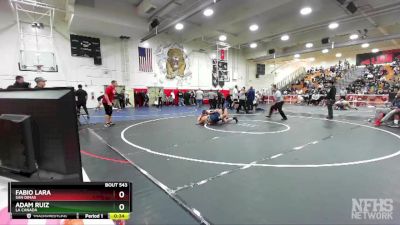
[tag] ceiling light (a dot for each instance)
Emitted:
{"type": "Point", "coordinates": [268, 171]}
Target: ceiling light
{"type": "Point", "coordinates": [338, 55]}
{"type": "Point", "coordinates": [353, 36]}
{"type": "Point", "coordinates": [253, 45]}
{"type": "Point", "coordinates": [309, 45]}
{"type": "Point", "coordinates": [333, 26]}
{"type": "Point", "coordinates": [285, 37]}
{"type": "Point", "coordinates": [365, 45]}
{"type": "Point", "coordinates": [305, 11]}
{"type": "Point", "coordinates": [325, 50]}
{"type": "Point", "coordinates": [146, 44]}
{"type": "Point", "coordinates": [312, 59]}
{"type": "Point", "coordinates": [297, 55]}
{"type": "Point", "coordinates": [222, 38]}
{"type": "Point", "coordinates": [208, 12]}
{"type": "Point", "coordinates": [375, 50]}
{"type": "Point", "coordinates": [179, 26]}
{"type": "Point", "coordinates": [253, 27]}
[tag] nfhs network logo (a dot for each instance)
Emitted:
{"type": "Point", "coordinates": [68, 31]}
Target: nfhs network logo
{"type": "Point", "coordinates": [372, 209]}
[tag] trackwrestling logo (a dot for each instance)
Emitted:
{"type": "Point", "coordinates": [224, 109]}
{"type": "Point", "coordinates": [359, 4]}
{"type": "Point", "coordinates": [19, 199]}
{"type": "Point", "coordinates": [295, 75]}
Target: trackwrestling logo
{"type": "Point", "coordinates": [372, 209]}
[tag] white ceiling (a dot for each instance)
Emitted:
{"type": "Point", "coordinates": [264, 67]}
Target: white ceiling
{"type": "Point", "coordinates": [232, 18]}
{"type": "Point", "coordinates": [347, 53]}
{"type": "Point", "coordinates": [277, 17]}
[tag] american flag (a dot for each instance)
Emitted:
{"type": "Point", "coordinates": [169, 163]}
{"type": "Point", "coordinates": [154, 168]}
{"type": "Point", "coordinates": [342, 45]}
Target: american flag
{"type": "Point", "coordinates": [145, 60]}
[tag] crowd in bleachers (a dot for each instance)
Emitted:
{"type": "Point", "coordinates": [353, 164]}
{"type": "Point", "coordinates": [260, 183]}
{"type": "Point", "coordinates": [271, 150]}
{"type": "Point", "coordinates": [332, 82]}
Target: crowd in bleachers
{"type": "Point", "coordinates": [317, 78]}
{"type": "Point", "coordinates": [378, 79]}
{"type": "Point", "coordinates": [374, 80]}
{"type": "Point", "coordinates": [312, 88]}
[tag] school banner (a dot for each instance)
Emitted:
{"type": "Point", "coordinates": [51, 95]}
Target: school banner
{"type": "Point", "coordinates": [378, 58]}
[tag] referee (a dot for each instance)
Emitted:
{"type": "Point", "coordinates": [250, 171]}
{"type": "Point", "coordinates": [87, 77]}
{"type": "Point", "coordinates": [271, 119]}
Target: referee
{"type": "Point", "coordinates": [330, 99]}
{"type": "Point", "coordinates": [278, 103]}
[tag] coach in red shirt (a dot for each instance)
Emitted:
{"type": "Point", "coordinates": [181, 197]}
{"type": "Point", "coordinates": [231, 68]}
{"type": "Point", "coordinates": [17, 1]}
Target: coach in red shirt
{"type": "Point", "coordinates": [107, 102]}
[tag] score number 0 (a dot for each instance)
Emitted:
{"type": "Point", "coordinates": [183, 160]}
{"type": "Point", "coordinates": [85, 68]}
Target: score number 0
{"type": "Point", "coordinates": [121, 206]}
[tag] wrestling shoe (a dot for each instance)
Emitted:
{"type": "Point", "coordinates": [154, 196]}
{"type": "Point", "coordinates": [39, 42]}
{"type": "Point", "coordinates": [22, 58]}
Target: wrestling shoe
{"type": "Point", "coordinates": [235, 119]}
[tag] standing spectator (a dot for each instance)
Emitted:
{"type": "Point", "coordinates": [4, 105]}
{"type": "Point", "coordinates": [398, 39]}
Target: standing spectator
{"type": "Point", "coordinates": [278, 103]}
{"type": "Point", "coordinates": [220, 99]}
{"type": "Point", "coordinates": [172, 98]}
{"type": "Point", "coordinates": [40, 82]}
{"type": "Point", "coordinates": [212, 99]}
{"type": "Point", "coordinates": [146, 99]}
{"type": "Point", "coordinates": [343, 93]}
{"type": "Point", "coordinates": [228, 102]}
{"type": "Point", "coordinates": [250, 98]}
{"type": "Point", "coordinates": [192, 97]}
{"type": "Point", "coordinates": [99, 101]}
{"type": "Point", "coordinates": [257, 98]}
{"type": "Point", "coordinates": [330, 99]}
{"type": "Point", "coordinates": [242, 100]}
{"type": "Point", "coordinates": [235, 94]}
{"type": "Point", "coordinates": [160, 98]}
{"type": "Point", "coordinates": [121, 98]}
{"type": "Point", "coordinates": [116, 101]}
{"type": "Point", "coordinates": [136, 98]}
{"type": "Point", "coordinates": [215, 101]}
{"type": "Point", "coordinates": [19, 83]}
{"type": "Point", "coordinates": [81, 99]}
{"type": "Point", "coordinates": [188, 98]}
{"type": "Point", "coordinates": [199, 97]}
{"type": "Point", "coordinates": [180, 98]}
{"type": "Point", "coordinates": [107, 103]}
{"type": "Point", "coordinates": [127, 100]}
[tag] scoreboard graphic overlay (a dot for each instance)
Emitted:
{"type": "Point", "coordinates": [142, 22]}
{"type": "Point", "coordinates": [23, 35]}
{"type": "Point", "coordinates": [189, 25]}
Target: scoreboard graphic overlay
{"type": "Point", "coordinates": [95, 200]}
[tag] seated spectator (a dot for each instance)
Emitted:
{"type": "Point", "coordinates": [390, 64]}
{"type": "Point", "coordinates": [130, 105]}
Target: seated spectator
{"type": "Point", "coordinates": [393, 64]}
{"type": "Point", "coordinates": [315, 98]}
{"type": "Point", "coordinates": [385, 114]}
{"type": "Point", "coordinates": [19, 83]}
{"type": "Point", "coordinates": [300, 99]}
{"type": "Point", "coordinates": [40, 82]}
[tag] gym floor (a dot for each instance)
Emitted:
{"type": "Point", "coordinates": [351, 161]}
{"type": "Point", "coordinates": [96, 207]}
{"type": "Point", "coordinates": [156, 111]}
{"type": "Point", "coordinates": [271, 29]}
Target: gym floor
{"type": "Point", "coordinates": [306, 170]}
